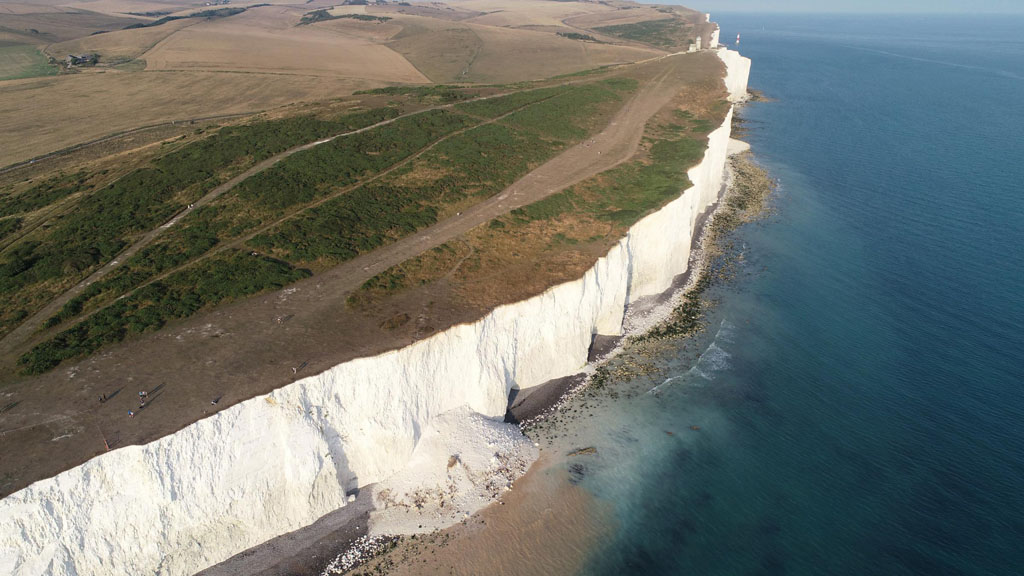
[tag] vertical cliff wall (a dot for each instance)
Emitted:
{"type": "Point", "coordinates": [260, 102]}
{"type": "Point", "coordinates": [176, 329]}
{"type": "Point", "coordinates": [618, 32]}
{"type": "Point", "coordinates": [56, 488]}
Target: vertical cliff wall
{"type": "Point", "coordinates": [737, 74]}
{"type": "Point", "coordinates": [713, 41]}
{"type": "Point", "coordinates": [276, 463]}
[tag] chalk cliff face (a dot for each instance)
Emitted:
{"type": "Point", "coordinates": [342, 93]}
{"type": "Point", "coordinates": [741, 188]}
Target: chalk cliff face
{"type": "Point", "coordinates": [276, 463]}
{"type": "Point", "coordinates": [737, 73]}
{"type": "Point", "coordinates": [713, 40]}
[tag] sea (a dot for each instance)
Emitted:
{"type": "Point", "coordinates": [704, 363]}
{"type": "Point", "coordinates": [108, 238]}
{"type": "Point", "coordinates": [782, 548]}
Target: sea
{"type": "Point", "coordinates": [855, 405]}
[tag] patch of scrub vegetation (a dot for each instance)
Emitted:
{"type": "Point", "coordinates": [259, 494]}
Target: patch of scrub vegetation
{"type": "Point", "coordinates": [694, 123]}
{"type": "Point", "coordinates": [570, 96]}
{"type": "Point", "coordinates": [103, 221]}
{"type": "Point", "coordinates": [207, 14]}
{"type": "Point", "coordinates": [451, 164]}
{"type": "Point", "coordinates": [190, 243]}
{"type": "Point", "coordinates": [578, 36]}
{"type": "Point", "coordinates": [22, 61]}
{"type": "Point", "coordinates": [556, 117]}
{"type": "Point", "coordinates": [316, 16]}
{"type": "Point", "coordinates": [476, 164]}
{"type": "Point", "coordinates": [473, 165]}
{"type": "Point", "coordinates": [311, 174]}
{"type": "Point", "coordinates": [557, 238]}
{"type": "Point", "coordinates": [182, 294]}
{"type": "Point", "coordinates": [499, 105]}
{"type": "Point", "coordinates": [302, 178]}
{"type": "Point", "coordinates": [324, 14]}
{"type": "Point", "coordinates": [365, 17]}
{"type": "Point", "coordinates": [9, 226]}
{"type": "Point", "coordinates": [664, 33]}
{"type": "Point", "coordinates": [262, 140]}
{"type": "Point", "coordinates": [437, 93]}
{"type": "Point", "coordinates": [435, 263]}
{"type": "Point", "coordinates": [151, 14]}
{"type": "Point", "coordinates": [625, 194]}
{"type": "Point", "coordinates": [583, 73]}
{"type": "Point", "coordinates": [43, 194]}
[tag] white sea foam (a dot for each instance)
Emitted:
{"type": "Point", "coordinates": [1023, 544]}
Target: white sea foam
{"type": "Point", "coordinates": [661, 386]}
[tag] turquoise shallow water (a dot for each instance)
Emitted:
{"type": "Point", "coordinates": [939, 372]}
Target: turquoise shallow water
{"type": "Point", "coordinates": [860, 390]}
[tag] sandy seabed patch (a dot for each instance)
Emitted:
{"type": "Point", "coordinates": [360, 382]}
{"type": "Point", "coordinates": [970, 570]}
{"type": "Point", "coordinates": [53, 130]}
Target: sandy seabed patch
{"type": "Point", "coordinates": [546, 525]}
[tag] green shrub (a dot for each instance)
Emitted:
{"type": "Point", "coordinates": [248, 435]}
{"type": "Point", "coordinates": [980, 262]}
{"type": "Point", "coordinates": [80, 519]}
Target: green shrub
{"type": "Point", "coordinates": [666, 33]}
{"type": "Point", "coordinates": [441, 93]}
{"type": "Point", "coordinates": [9, 226]}
{"type": "Point", "coordinates": [182, 294]}
{"type": "Point", "coordinates": [43, 194]}
{"type": "Point", "coordinates": [103, 222]}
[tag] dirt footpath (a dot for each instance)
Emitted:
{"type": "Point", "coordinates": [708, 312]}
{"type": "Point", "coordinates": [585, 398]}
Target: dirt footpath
{"type": "Point", "coordinates": [196, 367]}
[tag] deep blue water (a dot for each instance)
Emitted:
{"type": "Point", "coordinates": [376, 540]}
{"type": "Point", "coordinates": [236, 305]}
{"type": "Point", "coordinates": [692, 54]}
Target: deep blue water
{"type": "Point", "coordinates": [860, 391]}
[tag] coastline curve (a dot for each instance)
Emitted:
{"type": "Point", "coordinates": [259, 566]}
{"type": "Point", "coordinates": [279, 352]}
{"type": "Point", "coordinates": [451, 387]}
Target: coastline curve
{"type": "Point", "coordinates": [275, 463]}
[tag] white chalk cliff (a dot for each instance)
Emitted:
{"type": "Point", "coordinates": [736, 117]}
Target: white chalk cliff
{"type": "Point", "coordinates": [276, 463]}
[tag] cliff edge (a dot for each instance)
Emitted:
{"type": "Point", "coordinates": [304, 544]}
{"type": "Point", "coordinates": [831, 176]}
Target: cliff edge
{"type": "Point", "coordinates": [275, 463]}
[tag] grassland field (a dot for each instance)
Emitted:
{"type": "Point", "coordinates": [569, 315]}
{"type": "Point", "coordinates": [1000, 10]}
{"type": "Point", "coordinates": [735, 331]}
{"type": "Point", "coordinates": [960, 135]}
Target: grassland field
{"type": "Point", "coordinates": [21, 61]}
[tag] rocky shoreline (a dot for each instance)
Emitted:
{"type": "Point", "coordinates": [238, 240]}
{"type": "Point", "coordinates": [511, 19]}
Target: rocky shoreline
{"type": "Point", "coordinates": [542, 412]}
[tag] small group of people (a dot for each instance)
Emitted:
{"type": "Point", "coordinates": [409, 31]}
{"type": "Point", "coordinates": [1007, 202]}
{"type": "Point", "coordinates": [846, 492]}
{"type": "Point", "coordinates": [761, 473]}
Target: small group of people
{"type": "Point", "coordinates": [143, 395]}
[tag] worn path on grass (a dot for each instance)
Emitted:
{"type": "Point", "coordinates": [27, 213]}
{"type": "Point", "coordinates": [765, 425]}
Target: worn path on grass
{"type": "Point", "coordinates": [17, 341]}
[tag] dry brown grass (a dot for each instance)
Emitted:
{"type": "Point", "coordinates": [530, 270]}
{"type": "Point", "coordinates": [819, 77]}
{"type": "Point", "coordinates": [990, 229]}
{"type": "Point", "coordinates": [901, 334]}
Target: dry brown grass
{"type": "Point", "coordinates": [230, 44]}
{"type": "Point", "coordinates": [640, 14]}
{"type": "Point", "coordinates": [29, 8]}
{"type": "Point", "coordinates": [119, 44]}
{"type": "Point", "coordinates": [373, 31]}
{"type": "Point", "coordinates": [440, 50]}
{"type": "Point", "coordinates": [530, 12]}
{"type": "Point", "coordinates": [41, 115]}
{"type": "Point", "coordinates": [57, 24]}
{"type": "Point", "coordinates": [126, 6]}
{"type": "Point", "coordinates": [488, 267]}
{"type": "Point", "coordinates": [446, 12]}
{"type": "Point", "coordinates": [466, 52]}
{"type": "Point", "coordinates": [512, 55]}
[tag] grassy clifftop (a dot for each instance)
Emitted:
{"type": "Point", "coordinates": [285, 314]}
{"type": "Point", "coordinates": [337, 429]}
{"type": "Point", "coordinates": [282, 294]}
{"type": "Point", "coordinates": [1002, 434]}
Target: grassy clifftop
{"type": "Point", "coordinates": [317, 208]}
